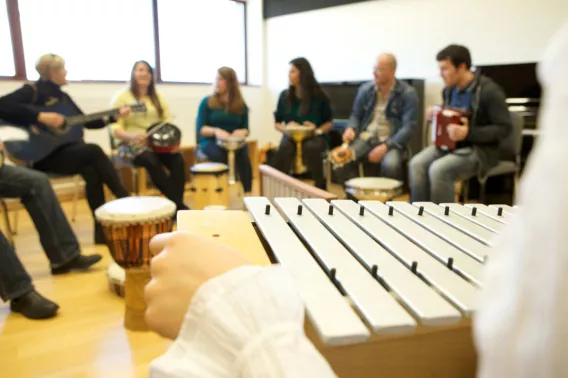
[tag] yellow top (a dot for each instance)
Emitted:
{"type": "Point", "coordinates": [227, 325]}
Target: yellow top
{"type": "Point", "coordinates": [137, 123]}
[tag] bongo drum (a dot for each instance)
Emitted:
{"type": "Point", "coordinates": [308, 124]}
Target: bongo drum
{"type": "Point", "coordinates": [373, 188]}
{"type": "Point", "coordinates": [231, 144]}
{"type": "Point", "coordinates": [210, 184]}
{"type": "Point", "coordinates": [129, 224]}
{"type": "Point", "coordinates": [298, 134]}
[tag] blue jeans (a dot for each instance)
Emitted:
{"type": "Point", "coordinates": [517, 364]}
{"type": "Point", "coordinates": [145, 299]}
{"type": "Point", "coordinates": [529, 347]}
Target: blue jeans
{"type": "Point", "coordinates": [433, 173]}
{"type": "Point", "coordinates": [56, 236]}
{"type": "Point", "coordinates": [243, 167]}
{"type": "Point", "coordinates": [390, 166]}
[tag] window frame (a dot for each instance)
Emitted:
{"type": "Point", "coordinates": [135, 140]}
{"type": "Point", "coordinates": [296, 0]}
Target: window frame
{"type": "Point", "coordinates": [20, 63]}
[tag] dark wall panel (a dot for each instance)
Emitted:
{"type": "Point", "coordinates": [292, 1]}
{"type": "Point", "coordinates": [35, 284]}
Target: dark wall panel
{"type": "Point", "coordinates": [273, 8]}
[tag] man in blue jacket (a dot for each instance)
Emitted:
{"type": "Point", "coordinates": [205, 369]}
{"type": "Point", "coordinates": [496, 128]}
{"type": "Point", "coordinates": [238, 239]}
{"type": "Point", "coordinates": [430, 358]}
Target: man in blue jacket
{"type": "Point", "coordinates": [383, 120]}
{"type": "Point", "coordinates": [434, 172]}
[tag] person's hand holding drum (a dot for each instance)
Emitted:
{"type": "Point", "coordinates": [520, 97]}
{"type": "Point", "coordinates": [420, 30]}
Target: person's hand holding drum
{"type": "Point", "coordinates": [183, 262]}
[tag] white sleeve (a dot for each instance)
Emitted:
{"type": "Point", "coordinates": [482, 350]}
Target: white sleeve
{"type": "Point", "coordinates": [521, 328]}
{"type": "Point", "coordinates": [247, 323]}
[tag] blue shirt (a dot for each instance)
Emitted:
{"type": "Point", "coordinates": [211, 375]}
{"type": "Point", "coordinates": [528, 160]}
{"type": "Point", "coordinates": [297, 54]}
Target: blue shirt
{"type": "Point", "coordinates": [461, 98]}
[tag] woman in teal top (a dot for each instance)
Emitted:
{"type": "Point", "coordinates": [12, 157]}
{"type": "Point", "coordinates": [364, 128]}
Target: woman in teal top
{"type": "Point", "coordinates": [220, 115]}
{"type": "Point", "coordinates": [304, 103]}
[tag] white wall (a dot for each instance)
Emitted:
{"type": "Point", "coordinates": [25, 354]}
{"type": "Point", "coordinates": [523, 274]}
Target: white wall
{"type": "Point", "coordinates": [342, 42]}
{"type": "Point", "coordinates": [184, 98]}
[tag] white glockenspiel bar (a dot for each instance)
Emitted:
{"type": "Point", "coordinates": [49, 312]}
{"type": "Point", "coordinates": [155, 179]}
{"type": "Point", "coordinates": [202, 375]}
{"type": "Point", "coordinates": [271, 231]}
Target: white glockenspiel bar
{"type": "Point", "coordinates": [379, 308]}
{"type": "Point", "coordinates": [333, 318]}
{"type": "Point", "coordinates": [426, 304]}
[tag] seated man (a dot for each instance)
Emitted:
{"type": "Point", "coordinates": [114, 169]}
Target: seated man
{"type": "Point", "coordinates": [434, 172]}
{"type": "Point", "coordinates": [384, 118]}
{"type": "Point", "coordinates": [56, 236]}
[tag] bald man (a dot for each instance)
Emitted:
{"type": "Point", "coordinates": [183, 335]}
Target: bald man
{"type": "Point", "coordinates": [382, 122]}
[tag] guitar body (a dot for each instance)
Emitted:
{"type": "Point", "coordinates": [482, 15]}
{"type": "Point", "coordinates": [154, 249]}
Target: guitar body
{"type": "Point", "coordinates": [41, 140]}
{"type": "Point", "coordinates": [29, 144]}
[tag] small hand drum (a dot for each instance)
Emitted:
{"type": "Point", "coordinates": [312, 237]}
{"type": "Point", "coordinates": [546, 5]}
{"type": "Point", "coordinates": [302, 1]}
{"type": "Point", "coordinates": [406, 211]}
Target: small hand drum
{"type": "Point", "coordinates": [164, 138]}
{"type": "Point", "coordinates": [231, 144]}
{"type": "Point", "coordinates": [129, 224]}
{"type": "Point", "coordinates": [373, 188]}
{"type": "Point", "coordinates": [298, 134]}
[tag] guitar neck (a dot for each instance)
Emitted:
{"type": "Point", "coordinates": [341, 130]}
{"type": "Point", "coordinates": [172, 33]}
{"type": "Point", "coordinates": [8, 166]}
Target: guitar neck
{"type": "Point", "coordinates": [82, 119]}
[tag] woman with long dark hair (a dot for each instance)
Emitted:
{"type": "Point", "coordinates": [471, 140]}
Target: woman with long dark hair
{"type": "Point", "coordinates": [220, 115]}
{"type": "Point", "coordinates": [131, 133]}
{"type": "Point", "coordinates": [304, 103]}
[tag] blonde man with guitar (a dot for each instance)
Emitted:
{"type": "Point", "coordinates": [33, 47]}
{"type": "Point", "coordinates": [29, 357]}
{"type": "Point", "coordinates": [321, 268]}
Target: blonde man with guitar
{"type": "Point", "coordinates": [55, 127]}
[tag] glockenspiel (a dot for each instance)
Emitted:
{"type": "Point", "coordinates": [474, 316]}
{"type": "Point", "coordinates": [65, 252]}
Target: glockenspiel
{"type": "Point", "coordinates": [389, 288]}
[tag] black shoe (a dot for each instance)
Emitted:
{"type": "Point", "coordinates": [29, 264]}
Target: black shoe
{"type": "Point", "coordinates": [33, 306]}
{"type": "Point", "coordinates": [78, 263]}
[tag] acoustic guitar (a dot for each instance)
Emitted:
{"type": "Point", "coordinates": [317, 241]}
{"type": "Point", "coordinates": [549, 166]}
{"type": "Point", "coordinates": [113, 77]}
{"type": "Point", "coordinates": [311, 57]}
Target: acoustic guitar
{"type": "Point", "coordinates": [28, 144]}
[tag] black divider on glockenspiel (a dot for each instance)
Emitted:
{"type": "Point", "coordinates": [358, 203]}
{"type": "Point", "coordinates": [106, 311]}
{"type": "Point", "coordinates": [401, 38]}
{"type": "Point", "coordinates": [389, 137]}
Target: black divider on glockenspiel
{"type": "Point", "coordinates": [391, 211]}
{"type": "Point", "coordinates": [300, 209]}
{"type": "Point", "coordinates": [451, 263]}
{"type": "Point", "coordinates": [267, 210]}
{"type": "Point", "coordinates": [421, 210]}
{"type": "Point", "coordinates": [447, 211]}
{"type": "Point", "coordinates": [362, 211]}
{"type": "Point", "coordinates": [500, 211]}
{"type": "Point", "coordinates": [330, 210]}
{"type": "Point", "coordinates": [414, 267]}
{"type": "Point", "coordinates": [265, 244]}
{"type": "Point", "coordinates": [473, 211]}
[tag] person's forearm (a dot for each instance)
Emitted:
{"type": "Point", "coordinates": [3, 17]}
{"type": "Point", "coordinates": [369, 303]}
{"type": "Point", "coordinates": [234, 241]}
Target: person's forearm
{"type": "Point", "coordinates": [124, 136]}
{"type": "Point", "coordinates": [279, 126]}
{"type": "Point", "coordinates": [326, 127]}
{"type": "Point", "coordinates": [271, 342]}
{"type": "Point", "coordinates": [207, 131]}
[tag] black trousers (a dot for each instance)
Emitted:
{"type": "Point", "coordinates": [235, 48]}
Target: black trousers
{"type": "Point", "coordinates": [243, 167]}
{"type": "Point", "coordinates": [171, 185]}
{"type": "Point", "coordinates": [90, 161]}
{"type": "Point", "coordinates": [312, 151]}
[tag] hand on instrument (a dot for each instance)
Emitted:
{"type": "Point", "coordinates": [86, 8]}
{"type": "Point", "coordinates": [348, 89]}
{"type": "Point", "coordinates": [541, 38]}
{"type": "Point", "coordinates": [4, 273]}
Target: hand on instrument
{"type": "Point", "coordinates": [140, 139]}
{"type": "Point", "coordinates": [458, 133]}
{"type": "Point", "coordinates": [348, 135]}
{"type": "Point", "coordinates": [183, 262]}
{"type": "Point", "coordinates": [221, 134]}
{"type": "Point", "coordinates": [377, 153]}
{"type": "Point", "coordinates": [430, 113]}
{"type": "Point", "coordinates": [240, 133]}
{"type": "Point", "coordinates": [51, 119]}
{"type": "Point", "coordinates": [310, 124]}
{"type": "Point", "coordinates": [124, 111]}
{"type": "Point", "coordinates": [293, 123]}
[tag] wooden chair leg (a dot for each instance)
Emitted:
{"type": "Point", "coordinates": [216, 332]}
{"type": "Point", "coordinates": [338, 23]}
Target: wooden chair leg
{"type": "Point", "coordinates": [75, 197]}
{"type": "Point", "coordinates": [15, 229]}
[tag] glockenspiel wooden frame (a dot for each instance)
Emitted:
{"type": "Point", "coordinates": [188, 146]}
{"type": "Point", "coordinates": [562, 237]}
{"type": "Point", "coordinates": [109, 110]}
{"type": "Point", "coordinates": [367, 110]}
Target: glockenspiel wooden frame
{"type": "Point", "coordinates": [274, 183]}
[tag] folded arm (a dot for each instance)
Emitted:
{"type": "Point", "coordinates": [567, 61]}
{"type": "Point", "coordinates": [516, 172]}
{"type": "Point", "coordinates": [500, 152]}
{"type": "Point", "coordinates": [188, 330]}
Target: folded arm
{"type": "Point", "coordinates": [499, 118]}
{"type": "Point", "coordinates": [247, 323]}
{"type": "Point", "coordinates": [16, 107]}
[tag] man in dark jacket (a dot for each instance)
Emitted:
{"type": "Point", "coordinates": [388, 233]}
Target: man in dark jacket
{"type": "Point", "coordinates": [434, 172]}
{"type": "Point", "coordinates": [383, 120]}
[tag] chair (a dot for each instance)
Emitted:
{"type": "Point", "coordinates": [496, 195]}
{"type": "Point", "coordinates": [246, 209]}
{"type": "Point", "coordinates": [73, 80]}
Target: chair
{"type": "Point", "coordinates": [138, 174]}
{"type": "Point", "coordinates": [7, 224]}
{"type": "Point", "coordinates": [510, 158]}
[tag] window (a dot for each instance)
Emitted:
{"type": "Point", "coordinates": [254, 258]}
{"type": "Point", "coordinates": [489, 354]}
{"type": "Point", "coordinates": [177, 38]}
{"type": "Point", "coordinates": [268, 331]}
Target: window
{"type": "Point", "coordinates": [197, 37]}
{"type": "Point", "coordinates": [7, 67]}
{"type": "Point", "coordinates": [99, 39]}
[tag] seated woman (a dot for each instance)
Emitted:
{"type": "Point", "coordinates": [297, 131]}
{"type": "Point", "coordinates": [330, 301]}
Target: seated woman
{"type": "Point", "coordinates": [220, 115]}
{"type": "Point", "coordinates": [304, 103]}
{"type": "Point", "coordinates": [131, 131]}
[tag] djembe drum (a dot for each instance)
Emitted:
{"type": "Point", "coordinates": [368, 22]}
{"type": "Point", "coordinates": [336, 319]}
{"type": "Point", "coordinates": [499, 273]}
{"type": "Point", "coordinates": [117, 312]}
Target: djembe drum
{"type": "Point", "coordinates": [129, 224]}
{"type": "Point", "coordinates": [210, 185]}
{"type": "Point", "coordinates": [298, 134]}
{"type": "Point", "coordinates": [373, 188]}
{"type": "Point", "coordinates": [231, 144]}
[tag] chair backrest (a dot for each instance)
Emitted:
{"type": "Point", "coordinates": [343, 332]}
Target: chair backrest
{"type": "Point", "coordinates": [111, 138]}
{"type": "Point", "coordinates": [510, 147]}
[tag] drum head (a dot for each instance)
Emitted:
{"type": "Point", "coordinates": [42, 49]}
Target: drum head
{"type": "Point", "coordinates": [134, 210]}
{"type": "Point", "coordinates": [166, 136]}
{"type": "Point", "coordinates": [374, 183]}
{"type": "Point", "coordinates": [209, 167]}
